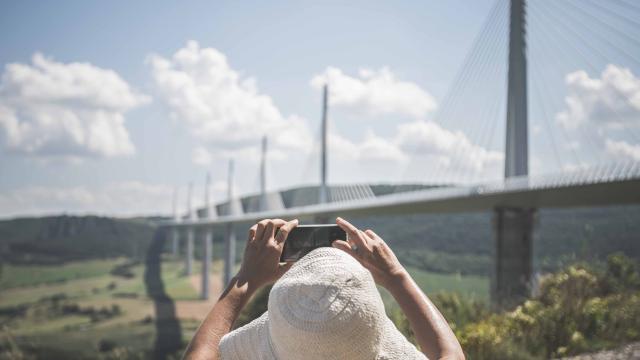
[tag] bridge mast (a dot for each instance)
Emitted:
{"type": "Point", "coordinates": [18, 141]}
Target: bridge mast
{"type": "Point", "coordinates": [513, 226]}
{"type": "Point", "coordinates": [262, 204]}
{"type": "Point", "coordinates": [516, 149]}
{"type": "Point", "coordinates": [324, 193]}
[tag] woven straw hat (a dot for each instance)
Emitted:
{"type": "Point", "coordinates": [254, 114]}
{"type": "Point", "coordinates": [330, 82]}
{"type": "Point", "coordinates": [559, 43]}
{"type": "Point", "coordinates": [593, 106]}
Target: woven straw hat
{"type": "Point", "coordinates": [325, 307]}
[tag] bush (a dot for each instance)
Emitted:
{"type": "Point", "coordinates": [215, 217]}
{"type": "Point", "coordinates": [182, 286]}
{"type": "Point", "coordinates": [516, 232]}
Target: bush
{"type": "Point", "coordinates": [106, 345]}
{"type": "Point", "coordinates": [578, 309]}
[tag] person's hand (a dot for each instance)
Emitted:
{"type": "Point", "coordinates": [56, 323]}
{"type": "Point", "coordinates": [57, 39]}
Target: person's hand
{"type": "Point", "coordinates": [372, 252]}
{"type": "Point", "coordinates": [261, 263]}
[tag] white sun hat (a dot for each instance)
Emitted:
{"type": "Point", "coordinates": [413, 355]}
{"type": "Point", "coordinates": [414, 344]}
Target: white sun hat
{"type": "Point", "coordinates": [325, 307]}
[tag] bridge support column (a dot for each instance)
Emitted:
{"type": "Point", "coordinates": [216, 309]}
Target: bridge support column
{"type": "Point", "coordinates": [230, 253]}
{"type": "Point", "coordinates": [206, 263]}
{"type": "Point", "coordinates": [189, 252]}
{"type": "Point", "coordinates": [513, 260]}
{"type": "Point", "coordinates": [175, 241]}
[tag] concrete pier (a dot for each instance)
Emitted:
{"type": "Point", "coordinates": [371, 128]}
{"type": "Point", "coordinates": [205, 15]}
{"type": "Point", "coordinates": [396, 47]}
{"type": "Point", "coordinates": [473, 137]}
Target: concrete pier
{"type": "Point", "coordinates": [189, 234]}
{"type": "Point", "coordinates": [511, 281]}
{"type": "Point", "coordinates": [175, 242]}
{"type": "Point", "coordinates": [207, 239]}
{"type": "Point", "coordinates": [188, 266]}
{"type": "Point", "coordinates": [206, 262]}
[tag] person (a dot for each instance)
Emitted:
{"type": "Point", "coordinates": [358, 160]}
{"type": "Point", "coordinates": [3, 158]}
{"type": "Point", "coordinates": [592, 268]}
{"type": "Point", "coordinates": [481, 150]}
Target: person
{"type": "Point", "coordinates": [324, 306]}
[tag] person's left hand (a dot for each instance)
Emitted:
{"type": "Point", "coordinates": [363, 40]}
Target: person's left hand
{"type": "Point", "coordinates": [261, 263]}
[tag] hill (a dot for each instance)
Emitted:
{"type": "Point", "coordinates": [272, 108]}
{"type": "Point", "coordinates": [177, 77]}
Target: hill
{"type": "Point", "coordinates": [58, 239]}
{"type": "Point", "coordinates": [446, 243]}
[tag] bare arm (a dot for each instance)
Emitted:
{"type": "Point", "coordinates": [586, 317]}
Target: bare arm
{"type": "Point", "coordinates": [260, 266]}
{"type": "Point", "coordinates": [218, 322]}
{"type": "Point", "coordinates": [432, 331]}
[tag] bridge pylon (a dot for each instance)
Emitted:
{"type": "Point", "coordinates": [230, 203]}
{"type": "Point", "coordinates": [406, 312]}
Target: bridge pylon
{"type": "Point", "coordinates": [323, 190]}
{"type": "Point", "coordinates": [513, 227]}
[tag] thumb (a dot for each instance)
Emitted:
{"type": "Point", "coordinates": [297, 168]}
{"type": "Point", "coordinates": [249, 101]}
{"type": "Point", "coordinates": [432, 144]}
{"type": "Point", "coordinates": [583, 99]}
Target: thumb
{"type": "Point", "coordinates": [283, 268]}
{"type": "Point", "coordinates": [344, 246]}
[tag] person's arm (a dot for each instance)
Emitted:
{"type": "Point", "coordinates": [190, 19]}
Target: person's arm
{"type": "Point", "coordinates": [260, 266]}
{"type": "Point", "coordinates": [435, 337]}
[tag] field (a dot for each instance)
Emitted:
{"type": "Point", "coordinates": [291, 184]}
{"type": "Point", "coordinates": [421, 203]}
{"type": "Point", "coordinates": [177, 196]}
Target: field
{"type": "Point", "coordinates": [102, 306]}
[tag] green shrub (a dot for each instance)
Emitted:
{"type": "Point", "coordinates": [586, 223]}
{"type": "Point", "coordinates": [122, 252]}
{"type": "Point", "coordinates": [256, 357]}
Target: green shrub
{"type": "Point", "coordinates": [578, 309]}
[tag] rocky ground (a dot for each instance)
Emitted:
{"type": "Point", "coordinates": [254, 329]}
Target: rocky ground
{"type": "Point", "coordinates": [629, 351]}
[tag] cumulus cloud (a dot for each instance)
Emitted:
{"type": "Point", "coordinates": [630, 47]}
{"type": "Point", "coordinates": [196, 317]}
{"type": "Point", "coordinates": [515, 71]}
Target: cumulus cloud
{"type": "Point", "coordinates": [375, 92]}
{"type": "Point", "coordinates": [611, 100]}
{"type": "Point", "coordinates": [219, 106]}
{"type": "Point", "coordinates": [372, 148]}
{"type": "Point", "coordinates": [119, 198]}
{"type": "Point", "coordinates": [622, 149]}
{"type": "Point", "coordinates": [201, 156]}
{"type": "Point", "coordinates": [449, 148]}
{"type": "Point", "coordinates": [75, 110]}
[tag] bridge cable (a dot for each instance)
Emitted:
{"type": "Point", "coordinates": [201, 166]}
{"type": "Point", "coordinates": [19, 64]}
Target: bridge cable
{"type": "Point", "coordinates": [546, 30]}
{"type": "Point", "coordinates": [486, 73]}
{"type": "Point", "coordinates": [612, 13]}
{"type": "Point", "coordinates": [560, 34]}
{"type": "Point", "coordinates": [477, 57]}
{"type": "Point", "coordinates": [606, 61]}
{"type": "Point", "coordinates": [451, 99]}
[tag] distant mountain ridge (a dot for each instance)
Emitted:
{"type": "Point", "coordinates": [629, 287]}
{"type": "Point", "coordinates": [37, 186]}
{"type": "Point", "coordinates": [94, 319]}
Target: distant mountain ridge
{"type": "Point", "coordinates": [56, 239]}
{"type": "Point", "coordinates": [434, 242]}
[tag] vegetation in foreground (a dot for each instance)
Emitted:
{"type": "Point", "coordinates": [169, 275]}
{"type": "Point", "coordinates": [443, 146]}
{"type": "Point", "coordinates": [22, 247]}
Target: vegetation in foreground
{"type": "Point", "coordinates": [580, 309]}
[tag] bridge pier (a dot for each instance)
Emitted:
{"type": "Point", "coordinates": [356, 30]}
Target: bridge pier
{"type": "Point", "coordinates": [175, 241]}
{"type": "Point", "coordinates": [513, 258]}
{"type": "Point", "coordinates": [189, 251]}
{"type": "Point", "coordinates": [230, 252]}
{"type": "Point", "coordinates": [206, 262]}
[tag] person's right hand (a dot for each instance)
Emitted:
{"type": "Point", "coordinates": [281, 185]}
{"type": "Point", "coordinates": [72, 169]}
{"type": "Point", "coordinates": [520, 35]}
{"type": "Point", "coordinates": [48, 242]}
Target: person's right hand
{"type": "Point", "coordinates": [372, 252]}
{"type": "Point", "coordinates": [261, 262]}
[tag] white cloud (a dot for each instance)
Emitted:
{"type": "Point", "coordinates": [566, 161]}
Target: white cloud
{"type": "Point", "coordinates": [201, 156]}
{"type": "Point", "coordinates": [121, 198]}
{"type": "Point", "coordinates": [622, 149]}
{"type": "Point", "coordinates": [612, 100]}
{"type": "Point", "coordinates": [73, 110]}
{"type": "Point", "coordinates": [449, 148]}
{"type": "Point", "coordinates": [375, 92]}
{"type": "Point", "coordinates": [220, 107]}
{"type": "Point", "coordinates": [372, 149]}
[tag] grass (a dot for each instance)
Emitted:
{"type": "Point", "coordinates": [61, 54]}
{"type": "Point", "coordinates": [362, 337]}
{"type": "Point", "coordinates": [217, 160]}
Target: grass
{"type": "Point", "coordinates": [90, 284]}
{"type": "Point", "coordinates": [466, 285]}
{"type": "Point", "coordinates": [432, 283]}
{"type": "Point", "coordinates": [83, 342]}
{"type": "Point", "coordinates": [12, 276]}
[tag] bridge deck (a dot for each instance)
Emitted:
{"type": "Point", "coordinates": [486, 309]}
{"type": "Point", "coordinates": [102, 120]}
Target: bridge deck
{"type": "Point", "coordinates": [595, 187]}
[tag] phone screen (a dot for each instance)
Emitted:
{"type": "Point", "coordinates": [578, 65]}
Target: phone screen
{"type": "Point", "coordinates": [304, 238]}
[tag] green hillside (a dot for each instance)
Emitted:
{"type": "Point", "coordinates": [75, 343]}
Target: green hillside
{"type": "Point", "coordinates": [57, 239]}
{"type": "Point", "coordinates": [444, 243]}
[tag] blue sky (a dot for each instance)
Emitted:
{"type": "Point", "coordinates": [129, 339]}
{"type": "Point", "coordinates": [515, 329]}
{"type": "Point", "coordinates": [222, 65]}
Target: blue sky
{"type": "Point", "coordinates": [391, 63]}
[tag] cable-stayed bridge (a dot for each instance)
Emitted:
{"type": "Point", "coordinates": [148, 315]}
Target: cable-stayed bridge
{"type": "Point", "coordinates": [569, 32]}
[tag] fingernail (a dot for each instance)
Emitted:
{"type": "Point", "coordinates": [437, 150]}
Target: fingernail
{"type": "Point", "coordinates": [338, 218]}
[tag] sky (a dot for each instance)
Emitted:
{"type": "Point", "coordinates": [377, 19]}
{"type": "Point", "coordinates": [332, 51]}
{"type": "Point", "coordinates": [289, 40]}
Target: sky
{"type": "Point", "coordinates": [111, 107]}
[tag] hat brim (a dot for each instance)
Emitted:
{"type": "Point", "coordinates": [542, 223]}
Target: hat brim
{"type": "Point", "coordinates": [253, 341]}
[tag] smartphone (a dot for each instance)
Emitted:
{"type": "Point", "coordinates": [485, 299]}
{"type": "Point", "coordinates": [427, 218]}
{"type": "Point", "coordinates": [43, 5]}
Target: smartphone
{"type": "Point", "coordinates": [304, 238]}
